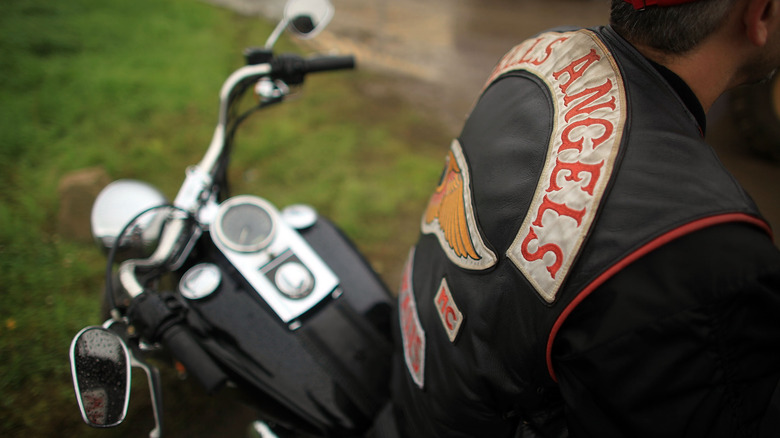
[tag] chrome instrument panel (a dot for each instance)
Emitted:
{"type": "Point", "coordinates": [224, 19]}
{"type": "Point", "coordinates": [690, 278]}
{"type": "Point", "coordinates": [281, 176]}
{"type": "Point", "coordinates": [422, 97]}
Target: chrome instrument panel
{"type": "Point", "coordinates": [273, 258]}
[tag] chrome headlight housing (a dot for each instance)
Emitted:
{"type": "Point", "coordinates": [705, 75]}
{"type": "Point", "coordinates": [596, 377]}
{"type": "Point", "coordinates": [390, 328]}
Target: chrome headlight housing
{"type": "Point", "coordinates": [116, 206]}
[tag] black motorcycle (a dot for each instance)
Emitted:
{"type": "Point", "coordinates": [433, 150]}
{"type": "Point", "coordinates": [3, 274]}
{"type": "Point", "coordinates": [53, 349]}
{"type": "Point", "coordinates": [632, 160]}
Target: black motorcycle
{"type": "Point", "coordinates": [278, 305]}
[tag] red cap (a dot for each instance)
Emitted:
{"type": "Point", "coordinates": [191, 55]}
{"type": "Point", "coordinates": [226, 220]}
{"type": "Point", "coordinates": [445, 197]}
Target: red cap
{"type": "Point", "coordinates": [641, 4]}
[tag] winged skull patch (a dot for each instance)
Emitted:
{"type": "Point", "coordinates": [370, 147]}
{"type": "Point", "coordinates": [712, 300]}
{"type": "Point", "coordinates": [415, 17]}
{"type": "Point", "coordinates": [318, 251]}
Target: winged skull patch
{"type": "Point", "coordinates": [450, 216]}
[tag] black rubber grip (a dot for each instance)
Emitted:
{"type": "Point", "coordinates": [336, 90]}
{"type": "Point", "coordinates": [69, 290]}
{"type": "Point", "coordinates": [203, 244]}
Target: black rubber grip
{"type": "Point", "coordinates": [183, 346]}
{"type": "Point", "coordinates": [326, 63]}
{"type": "Point", "coordinates": [293, 68]}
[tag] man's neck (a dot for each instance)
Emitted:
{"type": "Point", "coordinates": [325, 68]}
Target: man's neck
{"type": "Point", "coordinates": [685, 93]}
{"type": "Point", "coordinates": [703, 70]}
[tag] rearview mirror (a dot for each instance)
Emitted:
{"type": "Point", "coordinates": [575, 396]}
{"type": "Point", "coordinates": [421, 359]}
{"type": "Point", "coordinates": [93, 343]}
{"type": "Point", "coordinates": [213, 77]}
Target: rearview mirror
{"type": "Point", "coordinates": [100, 365]}
{"type": "Point", "coordinates": [307, 17]}
{"type": "Point", "coordinates": [304, 18]}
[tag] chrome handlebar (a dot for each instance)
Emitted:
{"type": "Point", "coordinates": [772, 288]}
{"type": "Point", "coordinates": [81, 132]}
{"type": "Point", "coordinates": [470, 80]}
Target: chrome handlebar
{"type": "Point", "coordinates": [198, 186]}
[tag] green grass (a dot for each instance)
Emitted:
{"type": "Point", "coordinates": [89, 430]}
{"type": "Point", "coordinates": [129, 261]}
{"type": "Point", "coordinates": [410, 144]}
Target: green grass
{"type": "Point", "coordinates": [131, 86]}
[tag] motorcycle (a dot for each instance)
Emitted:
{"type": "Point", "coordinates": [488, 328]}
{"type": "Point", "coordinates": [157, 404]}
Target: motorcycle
{"type": "Point", "coordinates": [278, 305]}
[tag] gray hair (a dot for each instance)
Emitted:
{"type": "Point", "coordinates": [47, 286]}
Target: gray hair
{"type": "Point", "coordinates": [673, 30]}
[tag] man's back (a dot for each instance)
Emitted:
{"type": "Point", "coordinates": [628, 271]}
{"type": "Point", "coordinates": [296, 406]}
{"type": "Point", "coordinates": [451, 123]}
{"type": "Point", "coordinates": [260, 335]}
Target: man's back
{"type": "Point", "coordinates": [577, 162]}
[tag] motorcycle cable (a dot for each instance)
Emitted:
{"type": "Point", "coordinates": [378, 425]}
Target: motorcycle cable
{"type": "Point", "coordinates": [220, 175]}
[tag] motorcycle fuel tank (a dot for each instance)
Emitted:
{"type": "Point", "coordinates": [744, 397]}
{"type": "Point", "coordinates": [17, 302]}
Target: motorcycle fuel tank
{"type": "Point", "coordinates": [304, 323]}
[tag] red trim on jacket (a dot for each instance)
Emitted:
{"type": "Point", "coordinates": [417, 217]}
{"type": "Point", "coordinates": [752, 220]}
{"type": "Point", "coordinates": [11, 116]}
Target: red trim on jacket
{"type": "Point", "coordinates": [650, 246]}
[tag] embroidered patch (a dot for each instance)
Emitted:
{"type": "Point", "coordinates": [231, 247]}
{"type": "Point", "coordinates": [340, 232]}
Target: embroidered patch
{"type": "Point", "coordinates": [589, 98]}
{"type": "Point", "coordinates": [449, 313]}
{"type": "Point", "coordinates": [412, 333]}
{"type": "Point", "coordinates": [450, 216]}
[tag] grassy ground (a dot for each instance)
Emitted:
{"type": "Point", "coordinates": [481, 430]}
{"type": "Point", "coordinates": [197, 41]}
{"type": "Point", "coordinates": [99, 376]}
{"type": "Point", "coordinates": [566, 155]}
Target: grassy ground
{"type": "Point", "coordinates": [130, 86]}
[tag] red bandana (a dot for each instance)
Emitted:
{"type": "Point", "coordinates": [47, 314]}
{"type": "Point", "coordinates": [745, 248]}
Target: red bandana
{"type": "Point", "coordinates": [641, 4]}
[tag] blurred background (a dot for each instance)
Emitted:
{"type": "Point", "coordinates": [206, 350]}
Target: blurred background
{"type": "Point", "coordinates": [95, 91]}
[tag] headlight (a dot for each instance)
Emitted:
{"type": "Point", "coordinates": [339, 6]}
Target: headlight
{"type": "Point", "coordinates": [118, 204]}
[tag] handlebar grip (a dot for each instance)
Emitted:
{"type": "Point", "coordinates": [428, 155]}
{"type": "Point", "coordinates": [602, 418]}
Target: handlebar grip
{"type": "Point", "coordinates": [183, 346]}
{"type": "Point", "coordinates": [293, 68]}
{"type": "Point", "coordinates": [160, 317]}
{"type": "Point", "coordinates": [326, 63]}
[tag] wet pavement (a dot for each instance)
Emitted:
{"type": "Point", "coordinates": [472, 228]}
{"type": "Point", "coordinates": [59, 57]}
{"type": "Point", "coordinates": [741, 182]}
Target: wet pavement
{"type": "Point", "coordinates": [441, 51]}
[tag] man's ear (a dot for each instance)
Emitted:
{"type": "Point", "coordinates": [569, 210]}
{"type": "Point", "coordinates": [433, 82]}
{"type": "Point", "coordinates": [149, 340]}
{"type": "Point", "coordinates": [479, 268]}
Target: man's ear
{"type": "Point", "coordinates": [761, 18]}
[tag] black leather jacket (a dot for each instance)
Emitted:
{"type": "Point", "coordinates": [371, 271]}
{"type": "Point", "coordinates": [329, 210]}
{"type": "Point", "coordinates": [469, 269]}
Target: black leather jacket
{"type": "Point", "coordinates": [575, 273]}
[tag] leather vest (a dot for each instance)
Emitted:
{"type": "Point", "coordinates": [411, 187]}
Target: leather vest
{"type": "Point", "coordinates": [577, 159]}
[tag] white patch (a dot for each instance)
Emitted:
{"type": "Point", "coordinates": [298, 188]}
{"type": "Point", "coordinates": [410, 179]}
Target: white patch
{"type": "Point", "coordinates": [450, 315]}
{"type": "Point", "coordinates": [589, 98]}
{"type": "Point", "coordinates": [412, 333]}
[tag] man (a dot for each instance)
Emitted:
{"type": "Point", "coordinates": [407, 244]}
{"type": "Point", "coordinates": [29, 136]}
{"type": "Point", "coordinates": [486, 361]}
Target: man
{"type": "Point", "coordinates": [586, 266]}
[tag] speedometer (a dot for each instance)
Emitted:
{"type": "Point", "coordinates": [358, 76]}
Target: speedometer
{"type": "Point", "coordinates": [245, 224]}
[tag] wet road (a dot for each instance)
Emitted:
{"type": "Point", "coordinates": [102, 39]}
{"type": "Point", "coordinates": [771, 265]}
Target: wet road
{"type": "Point", "coordinates": [442, 50]}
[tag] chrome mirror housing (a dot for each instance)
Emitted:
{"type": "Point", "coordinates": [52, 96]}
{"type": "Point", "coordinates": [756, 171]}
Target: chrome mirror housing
{"type": "Point", "coordinates": [304, 18]}
{"type": "Point", "coordinates": [100, 364]}
{"type": "Point", "coordinates": [116, 206]}
{"type": "Point", "coordinates": [307, 18]}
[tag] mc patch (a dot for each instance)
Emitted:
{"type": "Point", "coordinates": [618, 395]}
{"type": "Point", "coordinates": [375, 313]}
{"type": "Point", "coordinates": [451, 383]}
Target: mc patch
{"type": "Point", "coordinates": [451, 317]}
